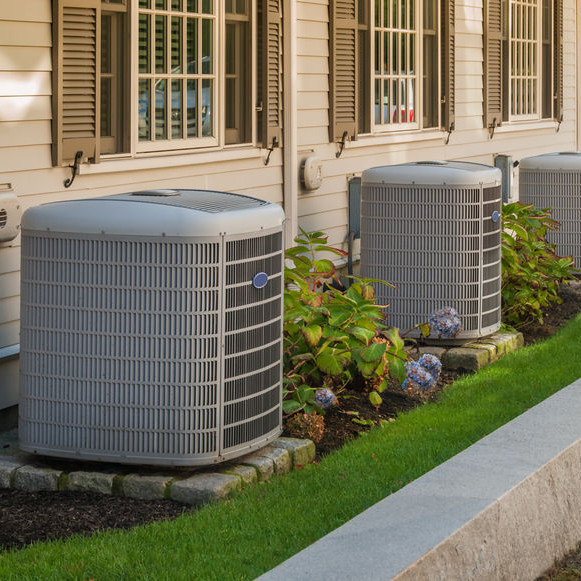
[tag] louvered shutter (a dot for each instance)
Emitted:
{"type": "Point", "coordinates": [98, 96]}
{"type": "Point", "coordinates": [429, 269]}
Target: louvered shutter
{"type": "Point", "coordinates": [271, 73]}
{"type": "Point", "coordinates": [493, 69]}
{"type": "Point", "coordinates": [76, 83]}
{"type": "Point", "coordinates": [558, 61]}
{"type": "Point", "coordinates": [448, 40]}
{"type": "Point", "coordinates": [343, 69]}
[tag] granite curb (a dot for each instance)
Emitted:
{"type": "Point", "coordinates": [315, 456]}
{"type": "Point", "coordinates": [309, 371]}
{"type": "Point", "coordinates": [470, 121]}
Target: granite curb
{"type": "Point", "coordinates": [195, 486]}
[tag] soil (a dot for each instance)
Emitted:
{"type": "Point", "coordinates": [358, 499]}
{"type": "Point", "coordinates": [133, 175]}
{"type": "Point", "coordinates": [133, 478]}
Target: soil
{"type": "Point", "coordinates": [28, 517]}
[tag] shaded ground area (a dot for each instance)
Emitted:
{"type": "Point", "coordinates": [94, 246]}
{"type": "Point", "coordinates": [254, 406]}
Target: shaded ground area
{"type": "Point", "coordinates": [28, 517]}
{"type": "Point", "coordinates": [567, 569]}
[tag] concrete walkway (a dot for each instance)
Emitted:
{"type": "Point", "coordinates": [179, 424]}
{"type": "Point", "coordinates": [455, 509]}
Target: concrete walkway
{"type": "Point", "coordinates": [504, 508]}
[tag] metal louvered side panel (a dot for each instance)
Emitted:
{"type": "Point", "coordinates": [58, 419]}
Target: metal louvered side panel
{"type": "Point", "coordinates": [120, 348]}
{"type": "Point", "coordinates": [253, 341]}
{"type": "Point", "coordinates": [426, 240]}
{"type": "Point", "coordinates": [559, 190]}
{"type": "Point", "coordinates": [491, 263]}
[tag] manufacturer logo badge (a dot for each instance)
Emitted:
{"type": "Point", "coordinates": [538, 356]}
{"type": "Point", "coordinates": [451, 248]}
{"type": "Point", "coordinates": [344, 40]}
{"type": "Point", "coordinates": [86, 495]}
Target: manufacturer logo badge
{"type": "Point", "coordinates": [260, 280]}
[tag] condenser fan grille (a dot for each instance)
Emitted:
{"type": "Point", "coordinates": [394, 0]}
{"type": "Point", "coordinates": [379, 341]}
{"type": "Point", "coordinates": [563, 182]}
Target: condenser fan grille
{"type": "Point", "coordinates": [559, 190]}
{"type": "Point", "coordinates": [440, 246]}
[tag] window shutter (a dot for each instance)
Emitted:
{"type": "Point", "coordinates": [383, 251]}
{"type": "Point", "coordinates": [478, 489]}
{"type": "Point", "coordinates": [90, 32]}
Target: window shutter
{"type": "Point", "coordinates": [271, 74]}
{"type": "Point", "coordinates": [76, 83]}
{"type": "Point", "coordinates": [343, 69]}
{"type": "Point", "coordinates": [448, 63]}
{"type": "Point", "coordinates": [558, 60]}
{"type": "Point", "coordinates": [493, 69]}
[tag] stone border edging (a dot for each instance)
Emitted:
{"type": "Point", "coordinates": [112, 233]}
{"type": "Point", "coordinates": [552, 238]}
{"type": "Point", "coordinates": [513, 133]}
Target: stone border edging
{"type": "Point", "coordinates": [476, 354]}
{"type": "Point", "coordinates": [194, 487]}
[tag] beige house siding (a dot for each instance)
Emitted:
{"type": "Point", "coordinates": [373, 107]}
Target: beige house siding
{"type": "Point", "coordinates": [25, 148]}
{"type": "Point", "coordinates": [326, 208]}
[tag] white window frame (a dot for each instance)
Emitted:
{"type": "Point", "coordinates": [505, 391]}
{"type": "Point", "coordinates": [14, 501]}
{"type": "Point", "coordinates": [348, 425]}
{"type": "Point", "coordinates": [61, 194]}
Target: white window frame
{"type": "Point", "coordinates": [381, 128]}
{"type": "Point", "coordinates": [216, 142]}
{"type": "Point", "coordinates": [533, 56]}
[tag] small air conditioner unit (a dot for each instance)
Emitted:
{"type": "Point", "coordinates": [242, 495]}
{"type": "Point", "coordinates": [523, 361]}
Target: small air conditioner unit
{"type": "Point", "coordinates": [151, 327]}
{"type": "Point", "coordinates": [554, 181]}
{"type": "Point", "coordinates": [433, 230]}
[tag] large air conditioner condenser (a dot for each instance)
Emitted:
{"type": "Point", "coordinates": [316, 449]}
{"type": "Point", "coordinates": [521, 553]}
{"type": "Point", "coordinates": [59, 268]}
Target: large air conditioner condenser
{"type": "Point", "coordinates": [433, 229]}
{"type": "Point", "coordinates": [151, 327]}
{"type": "Point", "coordinates": [553, 181]}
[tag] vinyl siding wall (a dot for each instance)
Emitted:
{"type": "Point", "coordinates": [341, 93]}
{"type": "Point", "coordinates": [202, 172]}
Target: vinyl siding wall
{"type": "Point", "coordinates": [25, 148]}
{"type": "Point", "coordinates": [326, 208]}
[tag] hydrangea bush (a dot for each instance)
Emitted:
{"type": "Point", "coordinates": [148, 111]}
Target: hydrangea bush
{"type": "Point", "coordinates": [331, 334]}
{"type": "Point", "coordinates": [531, 271]}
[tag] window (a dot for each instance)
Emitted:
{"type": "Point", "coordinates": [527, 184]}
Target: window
{"type": "Point", "coordinates": [196, 80]}
{"type": "Point", "coordinates": [391, 65]}
{"type": "Point", "coordinates": [177, 72]}
{"type": "Point", "coordinates": [113, 66]}
{"type": "Point", "coordinates": [523, 60]}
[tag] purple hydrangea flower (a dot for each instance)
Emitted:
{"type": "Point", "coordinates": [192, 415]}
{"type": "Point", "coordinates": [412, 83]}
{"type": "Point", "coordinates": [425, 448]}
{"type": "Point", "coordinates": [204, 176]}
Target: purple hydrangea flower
{"type": "Point", "coordinates": [431, 363]}
{"type": "Point", "coordinates": [445, 323]}
{"type": "Point", "coordinates": [325, 398]}
{"type": "Point", "coordinates": [418, 377]}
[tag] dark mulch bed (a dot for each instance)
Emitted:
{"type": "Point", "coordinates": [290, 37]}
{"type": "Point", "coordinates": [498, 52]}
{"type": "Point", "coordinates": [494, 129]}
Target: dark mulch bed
{"type": "Point", "coordinates": [38, 516]}
{"type": "Point", "coordinates": [28, 517]}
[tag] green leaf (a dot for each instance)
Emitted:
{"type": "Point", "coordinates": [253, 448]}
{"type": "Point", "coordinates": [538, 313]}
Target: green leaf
{"type": "Point", "coordinates": [324, 267]}
{"type": "Point", "coordinates": [373, 352]}
{"type": "Point", "coordinates": [397, 369]}
{"type": "Point", "coordinates": [395, 340]}
{"type": "Point", "coordinates": [363, 422]}
{"type": "Point", "coordinates": [425, 329]}
{"type": "Point", "coordinates": [290, 405]}
{"type": "Point", "coordinates": [306, 393]}
{"type": "Point", "coordinates": [328, 364]}
{"type": "Point", "coordinates": [302, 357]}
{"type": "Point", "coordinates": [361, 333]}
{"type": "Point", "coordinates": [382, 386]}
{"type": "Point", "coordinates": [375, 399]}
{"type": "Point", "coordinates": [312, 334]}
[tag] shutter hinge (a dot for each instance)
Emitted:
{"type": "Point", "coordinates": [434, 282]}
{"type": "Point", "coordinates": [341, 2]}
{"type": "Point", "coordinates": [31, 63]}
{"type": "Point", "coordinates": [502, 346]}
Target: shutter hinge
{"type": "Point", "coordinates": [270, 150]}
{"type": "Point", "coordinates": [342, 144]}
{"type": "Point", "coordinates": [75, 168]}
{"type": "Point", "coordinates": [492, 127]}
{"type": "Point", "coordinates": [450, 131]}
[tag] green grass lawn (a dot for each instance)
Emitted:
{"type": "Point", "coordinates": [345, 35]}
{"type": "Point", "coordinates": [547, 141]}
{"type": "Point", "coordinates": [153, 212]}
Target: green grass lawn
{"type": "Point", "coordinates": [262, 526]}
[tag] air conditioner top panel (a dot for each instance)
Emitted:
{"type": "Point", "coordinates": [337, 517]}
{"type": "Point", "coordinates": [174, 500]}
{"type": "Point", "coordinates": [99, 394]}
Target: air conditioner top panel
{"type": "Point", "coordinates": [171, 213]}
{"type": "Point", "coordinates": [435, 172]}
{"type": "Point", "coordinates": [565, 160]}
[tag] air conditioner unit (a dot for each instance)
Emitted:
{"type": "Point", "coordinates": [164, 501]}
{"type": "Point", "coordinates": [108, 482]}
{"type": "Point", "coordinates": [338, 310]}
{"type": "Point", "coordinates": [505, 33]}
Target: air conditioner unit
{"type": "Point", "coordinates": [433, 230]}
{"type": "Point", "coordinates": [151, 327]}
{"type": "Point", "coordinates": [554, 181]}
